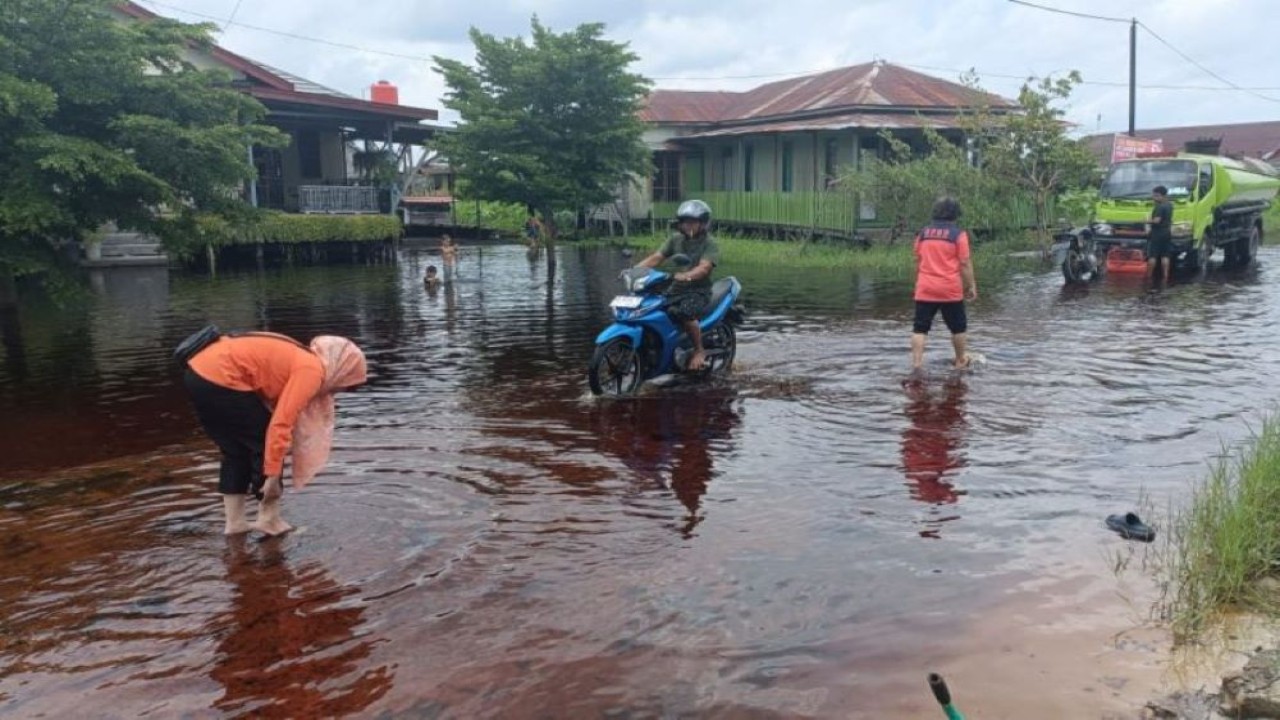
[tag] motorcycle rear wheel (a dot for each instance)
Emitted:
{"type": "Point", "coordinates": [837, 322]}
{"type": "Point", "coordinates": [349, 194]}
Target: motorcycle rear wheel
{"type": "Point", "coordinates": [615, 368]}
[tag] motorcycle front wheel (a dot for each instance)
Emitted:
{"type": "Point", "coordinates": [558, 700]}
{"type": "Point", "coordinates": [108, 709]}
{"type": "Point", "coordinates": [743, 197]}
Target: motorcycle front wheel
{"type": "Point", "coordinates": [615, 368]}
{"type": "Point", "coordinates": [721, 343]}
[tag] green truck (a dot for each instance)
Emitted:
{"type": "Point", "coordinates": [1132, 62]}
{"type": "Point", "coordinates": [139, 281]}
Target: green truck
{"type": "Point", "coordinates": [1218, 202]}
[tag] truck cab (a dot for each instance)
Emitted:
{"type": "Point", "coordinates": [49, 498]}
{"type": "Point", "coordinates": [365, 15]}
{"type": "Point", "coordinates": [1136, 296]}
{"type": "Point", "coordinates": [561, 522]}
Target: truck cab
{"type": "Point", "coordinates": [1217, 202]}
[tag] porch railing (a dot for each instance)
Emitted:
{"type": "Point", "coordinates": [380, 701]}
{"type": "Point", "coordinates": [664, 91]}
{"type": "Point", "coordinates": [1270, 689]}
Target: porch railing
{"type": "Point", "coordinates": [336, 199]}
{"type": "Point", "coordinates": [825, 212]}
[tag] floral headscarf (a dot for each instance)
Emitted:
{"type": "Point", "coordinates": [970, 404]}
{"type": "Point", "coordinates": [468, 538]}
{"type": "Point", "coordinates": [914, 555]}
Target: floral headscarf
{"type": "Point", "coordinates": [344, 367]}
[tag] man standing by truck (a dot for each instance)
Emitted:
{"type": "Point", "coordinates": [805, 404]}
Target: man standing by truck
{"type": "Point", "coordinates": [1160, 238]}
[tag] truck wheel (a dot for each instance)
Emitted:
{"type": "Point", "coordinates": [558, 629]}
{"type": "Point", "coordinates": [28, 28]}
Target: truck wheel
{"type": "Point", "coordinates": [1231, 253]}
{"type": "Point", "coordinates": [1247, 250]}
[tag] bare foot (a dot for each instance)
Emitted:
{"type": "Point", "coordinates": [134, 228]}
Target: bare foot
{"type": "Point", "coordinates": [272, 528]}
{"type": "Point", "coordinates": [272, 488]}
{"type": "Point", "coordinates": [239, 528]}
{"type": "Point", "coordinates": [962, 363]}
{"type": "Point", "coordinates": [698, 361]}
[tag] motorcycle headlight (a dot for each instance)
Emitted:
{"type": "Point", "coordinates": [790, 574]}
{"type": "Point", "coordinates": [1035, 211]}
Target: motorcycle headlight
{"type": "Point", "coordinates": [639, 283]}
{"type": "Point", "coordinates": [1102, 229]}
{"type": "Point", "coordinates": [1182, 229]}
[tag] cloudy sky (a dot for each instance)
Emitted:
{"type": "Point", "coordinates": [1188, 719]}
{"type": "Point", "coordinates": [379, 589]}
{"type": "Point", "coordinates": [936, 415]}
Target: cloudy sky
{"type": "Point", "coordinates": [736, 44]}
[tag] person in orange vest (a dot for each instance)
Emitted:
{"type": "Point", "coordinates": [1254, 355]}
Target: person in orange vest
{"type": "Point", "coordinates": [944, 280]}
{"type": "Point", "coordinates": [261, 397]}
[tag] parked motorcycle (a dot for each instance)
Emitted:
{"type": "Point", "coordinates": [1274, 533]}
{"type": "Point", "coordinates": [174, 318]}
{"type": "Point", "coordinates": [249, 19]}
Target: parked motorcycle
{"type": "Point", "coordinates": [643, 343]}
{"type": "Point", "coordinates": [1082, 260]}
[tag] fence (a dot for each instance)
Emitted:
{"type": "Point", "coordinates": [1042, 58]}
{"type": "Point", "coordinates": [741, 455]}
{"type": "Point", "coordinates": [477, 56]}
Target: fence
{"type": "Point", "coordinates": [835, 213]}
{"type": "Point", "coordinates": [337, 199]}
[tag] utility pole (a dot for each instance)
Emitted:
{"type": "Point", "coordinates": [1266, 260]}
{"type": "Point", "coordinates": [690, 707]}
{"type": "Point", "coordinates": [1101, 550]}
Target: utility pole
{"type": "Point", "coordinates": [1133, 74]}
{"type": "Point", "coordinates": [1133, 49]}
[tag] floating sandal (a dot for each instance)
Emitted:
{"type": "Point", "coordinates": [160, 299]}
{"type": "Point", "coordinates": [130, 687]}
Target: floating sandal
{"type": "Point", "coordinates": [1131, 527]}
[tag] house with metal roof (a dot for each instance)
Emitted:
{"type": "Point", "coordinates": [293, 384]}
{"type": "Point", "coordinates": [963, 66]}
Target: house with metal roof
{"type": "Point", "coordinates": [770, 154]}
{"type": "Point", "coordinates": [1258, 140]}
{"type": "Point", "coordinates": [335, 137]}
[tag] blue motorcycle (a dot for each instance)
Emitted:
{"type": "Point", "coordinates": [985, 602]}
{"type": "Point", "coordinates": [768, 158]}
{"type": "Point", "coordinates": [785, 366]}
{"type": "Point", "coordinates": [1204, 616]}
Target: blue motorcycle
{"type": "Point", "coordinates": [643, 343]}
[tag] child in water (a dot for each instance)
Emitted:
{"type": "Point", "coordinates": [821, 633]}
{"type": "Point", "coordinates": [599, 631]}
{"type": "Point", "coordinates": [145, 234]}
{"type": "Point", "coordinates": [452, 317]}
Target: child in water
{"type": "Point", "coordinates": [431, 279]}
{"type": "Point", "coordinates": [448, 252]}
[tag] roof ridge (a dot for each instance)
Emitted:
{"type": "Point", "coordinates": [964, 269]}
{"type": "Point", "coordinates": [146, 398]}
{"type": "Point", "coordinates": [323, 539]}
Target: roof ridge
{"type": "Point", "coordinates": [876, 85]}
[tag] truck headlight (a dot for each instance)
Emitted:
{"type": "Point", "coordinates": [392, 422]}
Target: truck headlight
{"type": "Point", "coordinates": [1102, 229]}
{"type": "Point", "coordinates": [1182, 229]}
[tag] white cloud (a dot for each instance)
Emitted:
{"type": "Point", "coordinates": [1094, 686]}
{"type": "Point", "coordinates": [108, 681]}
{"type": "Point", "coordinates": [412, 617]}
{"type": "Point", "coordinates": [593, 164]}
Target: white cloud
{"type": "Point", "coordinates": [725, 40]}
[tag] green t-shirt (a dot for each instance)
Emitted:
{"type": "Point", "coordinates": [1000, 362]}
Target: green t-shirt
{"type": "Point", "coordinates": [697, 249]}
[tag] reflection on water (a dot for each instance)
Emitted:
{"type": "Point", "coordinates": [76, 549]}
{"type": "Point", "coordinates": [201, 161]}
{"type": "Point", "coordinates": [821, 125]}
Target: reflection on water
{"type": "Point", "coordinates": [933, 444]}
{"type": "Point", "coordinates": [804, 539]}
{"type": "Point", "coordinates": [290, 644]}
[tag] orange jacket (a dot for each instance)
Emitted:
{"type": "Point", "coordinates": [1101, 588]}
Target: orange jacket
{"type": "Point", "coordinates": [286, 376]}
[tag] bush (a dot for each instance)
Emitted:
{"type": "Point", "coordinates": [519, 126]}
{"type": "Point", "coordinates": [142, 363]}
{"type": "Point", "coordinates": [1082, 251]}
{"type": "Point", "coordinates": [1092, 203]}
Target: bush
{"type": "Point", "coordinates": [278, 227]}
{"type": "Point", "coordinates": [504, 217]}
{"type": "Point", "coordinates": [904, 187]}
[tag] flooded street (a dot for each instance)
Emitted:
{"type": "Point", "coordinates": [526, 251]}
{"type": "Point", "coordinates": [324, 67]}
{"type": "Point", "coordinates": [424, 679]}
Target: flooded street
{"type": "Point", "coordinates": [807, 539]}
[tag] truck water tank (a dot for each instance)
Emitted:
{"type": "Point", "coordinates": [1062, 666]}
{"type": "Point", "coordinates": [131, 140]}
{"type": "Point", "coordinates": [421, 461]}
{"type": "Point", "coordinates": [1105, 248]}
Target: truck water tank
{"type": "Point", "coordinates": [384, 92]}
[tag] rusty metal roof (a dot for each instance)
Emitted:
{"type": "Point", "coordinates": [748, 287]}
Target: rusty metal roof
{"type": "Point", "coordinates": [843, 121]}
{"type": "Point", "coordinates": [1257, 139]}
{"type": "Point", "coordinates": [685, 107]}
{"type": "Point", "coordinates": [877, 85]}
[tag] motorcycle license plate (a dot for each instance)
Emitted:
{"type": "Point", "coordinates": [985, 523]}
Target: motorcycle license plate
{"type": "Point", "coordinates": [626, 302]}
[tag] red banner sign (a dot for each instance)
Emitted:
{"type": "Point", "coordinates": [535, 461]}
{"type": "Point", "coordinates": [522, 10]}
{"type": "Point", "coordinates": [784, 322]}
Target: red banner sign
{"type": "Point", "coordinates": [1128, 148]}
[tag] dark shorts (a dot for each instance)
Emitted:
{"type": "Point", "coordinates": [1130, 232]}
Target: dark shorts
{"type": "Point", "coordinates": [953, 315]}
{"type": "Point", "coordinates": [1159, 248]}
{"type": "Point", "coordinates": [688, 305]}
{"type": "Point", "coordinates": [237, 422]}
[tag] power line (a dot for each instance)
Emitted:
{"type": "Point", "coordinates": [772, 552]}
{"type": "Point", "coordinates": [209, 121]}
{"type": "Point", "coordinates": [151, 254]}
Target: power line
{"type": "Point", "coordinates": [1206, 70]}
{"type": "Point", "coordinates": [761, 76]}
{"type": "Point", "coordinates": [231, 18]}
{"type": "Point", "coordinates": [290, 35]}
{"type": "Point", "coordinates": [1071, 12]}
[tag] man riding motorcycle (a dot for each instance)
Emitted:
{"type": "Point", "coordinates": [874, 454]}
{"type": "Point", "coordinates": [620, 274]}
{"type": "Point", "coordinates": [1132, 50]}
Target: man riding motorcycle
{"type": "Point", "coordinates": [691, 293]}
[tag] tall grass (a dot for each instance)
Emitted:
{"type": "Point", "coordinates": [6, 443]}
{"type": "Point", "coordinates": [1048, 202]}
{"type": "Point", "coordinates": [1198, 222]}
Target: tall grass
{"type": "Point", "coordinates": [1227, 538]}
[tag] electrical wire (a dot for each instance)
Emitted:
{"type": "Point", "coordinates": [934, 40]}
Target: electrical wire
{"type": "Point", "coordinates": [1206, 70]}
{"type": "Point", "coordinates": [765, 76]}
{"type": "Point", "coordinates": [1071, 12]}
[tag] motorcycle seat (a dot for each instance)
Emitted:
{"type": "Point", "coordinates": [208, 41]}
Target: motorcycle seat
{"type": "Point", "coordinates": [719, 289]}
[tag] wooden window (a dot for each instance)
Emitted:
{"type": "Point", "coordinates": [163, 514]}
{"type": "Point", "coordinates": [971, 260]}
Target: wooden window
{"type": "Point", "coordinates": [666, 177]}
{"type": "Point", "coordinates": [309, 154]}
{"type": "Point", "coordinates": [830, 158]}
{"type": "Point", "coordinates": [788, 166]}
{"type": "Point", "coordinates": [726, 168]}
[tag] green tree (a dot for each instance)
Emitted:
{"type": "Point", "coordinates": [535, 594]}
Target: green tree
{"type": "Point", "coordinates": [551, 124]}
{"type": "Point", "coordinates": [1031, 149]}
{"type": "Point", "coordinates": [904, 186]}
{"type": "Point", "coordinates": [103, 119]}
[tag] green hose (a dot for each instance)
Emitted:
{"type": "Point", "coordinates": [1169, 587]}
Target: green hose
{"type": "Point", "coordinates": [943, 694]}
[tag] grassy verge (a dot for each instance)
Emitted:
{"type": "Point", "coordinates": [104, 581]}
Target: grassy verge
{"type": "Point", "coordinates": [1227, 539]}
{"type": "Point", "coordinates": [887, 259]}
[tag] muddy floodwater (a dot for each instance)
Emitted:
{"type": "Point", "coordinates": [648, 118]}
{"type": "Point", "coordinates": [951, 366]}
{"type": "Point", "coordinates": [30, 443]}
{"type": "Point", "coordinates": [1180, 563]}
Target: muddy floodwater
{"type": "Point", "coordinates": [806, 539]}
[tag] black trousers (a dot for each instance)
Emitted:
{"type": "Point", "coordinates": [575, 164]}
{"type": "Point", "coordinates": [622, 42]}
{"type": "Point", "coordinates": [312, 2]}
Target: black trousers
{"type": "Point", "coordinates": [236, 421]}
